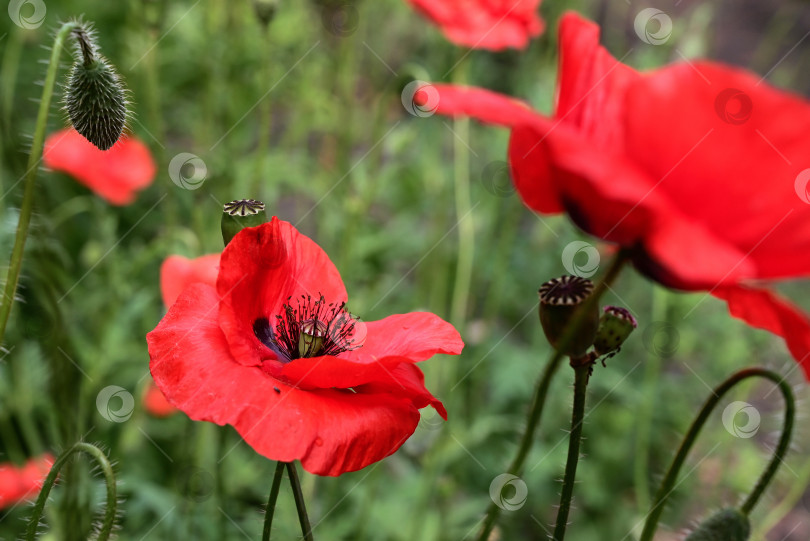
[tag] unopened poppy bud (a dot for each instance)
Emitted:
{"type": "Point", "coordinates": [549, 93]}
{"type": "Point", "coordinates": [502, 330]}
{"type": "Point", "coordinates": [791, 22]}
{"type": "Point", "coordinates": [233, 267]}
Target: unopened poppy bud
{"type": "Point", "coordinates": [240, 214]}
{"type": "Point", "coordinates": [615, 326]}
{"type": "Point", "coordinates": [310, 341]}
{"type": "Point", "coordinates": [265, 10]}
{"type": "Point", "coordinates": [95, 98]}
{"type": "Point", "coordinates": [725, 525]}
{"type": "Point", "coordinates": [559, 300]}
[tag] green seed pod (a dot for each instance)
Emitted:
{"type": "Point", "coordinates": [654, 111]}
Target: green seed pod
{"type": "Point", "coordinates": [615, 326]}
{"type": "Point", "coordinates": [240, 214]}
{"type": "Point", "coordinates": [725, 525]}
{"type": "Point", "coordinates": [95, 98]}
{"type": "Point", "coordinates": [559, 300]}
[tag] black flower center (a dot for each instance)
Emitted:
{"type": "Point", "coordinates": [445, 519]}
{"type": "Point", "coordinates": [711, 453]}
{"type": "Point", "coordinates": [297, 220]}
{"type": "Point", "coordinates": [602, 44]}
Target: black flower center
{"type": "Point", "coordinates": [310, 329]}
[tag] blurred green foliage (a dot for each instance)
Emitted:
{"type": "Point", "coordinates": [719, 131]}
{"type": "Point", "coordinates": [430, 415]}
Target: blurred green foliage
{"type": "Point", "coordinates": [311, 122]}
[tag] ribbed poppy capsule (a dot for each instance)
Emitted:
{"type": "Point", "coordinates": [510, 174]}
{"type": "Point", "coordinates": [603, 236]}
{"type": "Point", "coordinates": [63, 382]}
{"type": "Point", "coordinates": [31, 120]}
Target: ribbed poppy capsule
{"type": "Point", "coordinates": [725, 525]}
{"type": "Point", "coordinates": [615, 326]}
{"type": "Point", "coordinates": [559, 300]}
{"type": "Point", "coordinates": [240, 214]}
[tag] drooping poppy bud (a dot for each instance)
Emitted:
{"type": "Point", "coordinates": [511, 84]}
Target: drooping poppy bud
{"type": "Point", "coordinates": [240, 214]}
{"type": "Point", "coordinates": [95, 98]}
{"type": "Point", "coordinates": [265, 10]}
{"type": "Point", "coordinates": [559, 300]}
{"type": "Point", "coordinates": [615, 326]}
{"type": "Point", "coordinates": [725, 525]}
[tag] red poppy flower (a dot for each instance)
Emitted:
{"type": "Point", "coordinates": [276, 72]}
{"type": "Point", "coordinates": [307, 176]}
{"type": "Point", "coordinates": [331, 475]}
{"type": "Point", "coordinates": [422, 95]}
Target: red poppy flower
{"type": "Point", "coordinates": [485, 24]}
{"type": "Point", "coordinates": [693, 168]}
{"type": "Point", "coordinates": [18, 483]}
{"type": "Point", "coordinates": [272, 351]}
{"type": "Point", "coordinates": [114, 174]}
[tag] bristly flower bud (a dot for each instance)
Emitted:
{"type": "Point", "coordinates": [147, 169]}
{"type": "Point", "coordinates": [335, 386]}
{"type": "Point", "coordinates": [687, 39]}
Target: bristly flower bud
{"type": "Point", "coordinates": [725, 525]}
{"type": "Point", "coordinates": [265, 10]}
{"type": "Point", "coordinates": [559, 300]}
{"type": "Point", "coordinates": [615, 326]}
{"type": "Point", "coordinates": [95, 98]}
{"type": "Point", "coordinates": [240, 214]}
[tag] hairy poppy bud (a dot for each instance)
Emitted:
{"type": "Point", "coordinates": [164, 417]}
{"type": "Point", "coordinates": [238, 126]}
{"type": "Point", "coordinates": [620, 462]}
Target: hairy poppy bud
{"type": "Point", "coordinates": [559, 300]}
{"type": "Point", "coordinates": [95, 98]}
{"type": "Point", "coordinates": [725, 525]}
{"type": "Point", "coordinates": [240, 214]}
{"type": "Point", "coordinates": [615, 326]}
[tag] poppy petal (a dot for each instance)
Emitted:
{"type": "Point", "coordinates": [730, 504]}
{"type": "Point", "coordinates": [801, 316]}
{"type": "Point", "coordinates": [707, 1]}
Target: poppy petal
{"type": "Point", "coordinates": [330, 431]}
{"type": "Point", "coordinates": [764, 309]}
{"type": "Point", "coordinates": [177, 272]}
{"type": "Point", "coordinates": [115, 174]}
{"type": "Point", "coordinates": [416, 336]}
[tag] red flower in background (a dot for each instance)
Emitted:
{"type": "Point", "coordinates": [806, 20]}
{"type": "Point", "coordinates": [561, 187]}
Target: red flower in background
{"type": "Point", "coordinates": [272, 351]}
{"type": "Point", "coordinates": [18, 483]}
{"type": "Point", "coordinates": [177, 273]}
{"type": "Point", "coordinates": [115, 174]}
{"type": "Point", "coordinates": [693, 168]}
{"type": "Point", "coordinates": [485, 24]}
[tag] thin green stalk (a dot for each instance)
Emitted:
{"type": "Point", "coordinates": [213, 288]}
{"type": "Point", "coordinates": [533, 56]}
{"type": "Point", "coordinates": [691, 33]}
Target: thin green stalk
{"type": "Point", "coordinates": [581, 376]}
{"type": "Point", "coordinates": [109, 478]}
{"type": "Point", "coordinates": [15, 264]}
{"type": "Point", "coordinates": [775, 515]}
{"type": "Point", "coordinates": [466, 226]}
{"type": "Point", "coordinates": [271, 501]}
{"type": "Point", "coordinates": [652, 371]}
{"type": "Point", "coordinates": [668, 484]}
{"type": "Point", "coordinates": [303, 518]}
{"type": "Point", "coordinates": [541, 388]}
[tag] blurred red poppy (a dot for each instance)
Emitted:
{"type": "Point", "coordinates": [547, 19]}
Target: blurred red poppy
{"type": "Point", "coordinates": [18, 483]}
{"type": "Point", "coordinates": [485, 24]}
{"type": "Point", "coordinates": [114, 174]}
{"type": "Point", "coordinates": [177, 273]}
{"type": "Point", "coordinates": [693, 168]}
{"type": "Point", "coordinates": [272, 351]}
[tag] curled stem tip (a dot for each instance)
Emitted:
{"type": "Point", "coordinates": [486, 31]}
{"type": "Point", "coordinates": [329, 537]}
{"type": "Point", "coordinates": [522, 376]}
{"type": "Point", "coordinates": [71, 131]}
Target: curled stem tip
{"type": "Point", "coordinates": [104, 464]}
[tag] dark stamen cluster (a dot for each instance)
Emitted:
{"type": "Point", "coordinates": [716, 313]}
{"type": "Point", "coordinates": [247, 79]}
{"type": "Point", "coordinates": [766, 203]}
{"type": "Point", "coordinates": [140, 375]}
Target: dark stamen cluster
{"type": "Point", "coordinates": [312, 328]}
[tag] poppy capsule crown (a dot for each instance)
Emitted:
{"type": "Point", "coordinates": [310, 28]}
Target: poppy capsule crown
{"type": "Point", "coordinates": [95, 98]}
{"type": "Point", "coordinates": [559, 300]}
{"type": "Point", "coordinates": [239, 214]}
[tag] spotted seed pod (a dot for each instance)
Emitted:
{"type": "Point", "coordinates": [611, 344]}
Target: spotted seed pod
{"type": "Point", "coordinates": [95, 98]}
{"type": "Point", "coordinates": [615, 326]}
{"type": "Point", "coordinates": [559, 300]}
{"type": "Point", "coordinates": [725, 525]}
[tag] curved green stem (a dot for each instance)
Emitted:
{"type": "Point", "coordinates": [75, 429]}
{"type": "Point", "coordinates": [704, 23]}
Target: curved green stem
{"type": "Point", "coordinates": [668, 484]}
{"type": "Point", "coordinates": [541, 388]}
{"type": "Point", "coordinates": [15, 264]}
{"type": "Point", "coordinates": [303, 518]}
{"type": "Point", "coordinates": [581, 374]}
{"type": "Point", "coordinates": [271, 501]}
{"type": "Point", "coordinates": [109, 477]}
